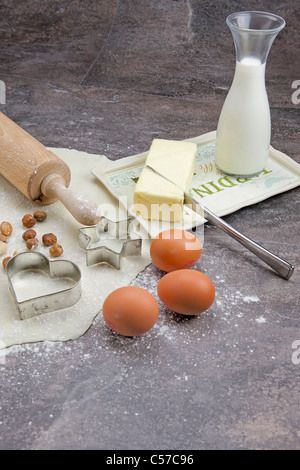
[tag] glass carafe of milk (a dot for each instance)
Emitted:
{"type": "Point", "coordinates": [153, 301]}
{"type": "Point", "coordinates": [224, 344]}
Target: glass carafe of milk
{"type": "Point", "coordinates": [244, 127]}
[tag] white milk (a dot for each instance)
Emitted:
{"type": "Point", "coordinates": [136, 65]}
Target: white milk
{"type": "Point", "coordinates": [244, 128]}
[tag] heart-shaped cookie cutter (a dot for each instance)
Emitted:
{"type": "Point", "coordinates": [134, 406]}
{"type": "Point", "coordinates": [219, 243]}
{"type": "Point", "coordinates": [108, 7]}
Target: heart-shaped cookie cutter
{"type": "Point", "coordinates": [57, 300]}
{"type": "Point", "coordinates": [109, 241]}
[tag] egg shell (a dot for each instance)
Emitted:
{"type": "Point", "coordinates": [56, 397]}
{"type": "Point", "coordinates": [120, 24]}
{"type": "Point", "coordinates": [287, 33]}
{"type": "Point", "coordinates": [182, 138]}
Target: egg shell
{"type": "Point", "coordinates": [186, 291]}
{"type": "Point", "coordinates": [130, 310]}
{"type": "Point", "coordinates": [175, 249]}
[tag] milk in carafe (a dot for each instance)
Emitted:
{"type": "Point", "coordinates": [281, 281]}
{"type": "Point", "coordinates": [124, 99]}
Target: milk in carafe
{"type": "Point", "coordinates": [244, 128]}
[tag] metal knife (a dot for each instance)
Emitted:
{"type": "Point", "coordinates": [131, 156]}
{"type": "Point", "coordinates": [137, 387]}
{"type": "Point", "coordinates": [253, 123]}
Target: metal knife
{"type": "Point", "coordinates": [282, 267]}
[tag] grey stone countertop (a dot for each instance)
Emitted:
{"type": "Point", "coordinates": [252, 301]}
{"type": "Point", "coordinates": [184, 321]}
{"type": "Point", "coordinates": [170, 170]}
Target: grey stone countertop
{"type": "Point", "coordinates": [107, 78]}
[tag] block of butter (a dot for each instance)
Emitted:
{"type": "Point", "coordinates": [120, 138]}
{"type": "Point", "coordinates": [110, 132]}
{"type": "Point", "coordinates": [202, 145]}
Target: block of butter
{"type": "Point", "coordinates": [155, 198]}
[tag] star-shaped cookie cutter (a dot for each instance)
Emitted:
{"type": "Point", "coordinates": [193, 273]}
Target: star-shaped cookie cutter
{"type": "Point", "coordinates": [109, 242]}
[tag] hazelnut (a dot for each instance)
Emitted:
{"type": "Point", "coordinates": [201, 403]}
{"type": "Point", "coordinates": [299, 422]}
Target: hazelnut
{"type": "Point", "coordinates": [3, 238]}
{"type": "Point", "coordinates": [49, 239]}
{"type": "Point", "coordinates": [56, 250]}
{"type": "Point", "coordinates": [17, 252]}
{"type": "Point", "coordinates": [3, 248]}
{"type": "Point", "coordinates": [40, 216]}
{"type": "Point", "coordinates": [30, 233]}
{"type": "Point", "coordinates": [28, 220]}
{"type": "Point", "coordinates": [6, 228]}
{"type": "Point", "coordinates": [5, 261]}
{"type": "Point", "coordinates": [32, 243]}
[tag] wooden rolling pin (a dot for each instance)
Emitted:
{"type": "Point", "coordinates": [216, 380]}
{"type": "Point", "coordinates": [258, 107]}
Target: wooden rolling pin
{"type": "Point", "coordinates": [38, 173]}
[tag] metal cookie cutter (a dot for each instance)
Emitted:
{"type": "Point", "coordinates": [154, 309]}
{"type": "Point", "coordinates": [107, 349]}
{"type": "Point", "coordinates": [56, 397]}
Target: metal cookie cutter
{"type": "Point", "coordinates": [109, 241]}
{"type": "Point", "coordinates": [22, 270]}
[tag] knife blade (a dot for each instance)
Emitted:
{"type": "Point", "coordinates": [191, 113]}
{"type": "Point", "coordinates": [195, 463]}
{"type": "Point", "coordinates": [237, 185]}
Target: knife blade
{"type": "Point", "coordinates": [281, 266]}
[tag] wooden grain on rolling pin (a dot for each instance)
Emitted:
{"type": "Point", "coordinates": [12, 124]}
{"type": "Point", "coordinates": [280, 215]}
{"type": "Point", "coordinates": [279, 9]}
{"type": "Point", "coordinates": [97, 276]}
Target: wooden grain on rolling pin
{"type": "Point", "coordinates": [25, 162]}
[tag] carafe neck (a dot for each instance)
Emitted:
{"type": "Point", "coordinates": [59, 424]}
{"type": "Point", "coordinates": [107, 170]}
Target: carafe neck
{"type": "Point", "coordinates": [253, 34]}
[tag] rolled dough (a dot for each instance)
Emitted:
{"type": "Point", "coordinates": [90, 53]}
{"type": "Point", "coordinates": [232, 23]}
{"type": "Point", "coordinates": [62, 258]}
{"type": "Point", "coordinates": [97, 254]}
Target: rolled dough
{"type": "Point", "coordinates": [97, 281]}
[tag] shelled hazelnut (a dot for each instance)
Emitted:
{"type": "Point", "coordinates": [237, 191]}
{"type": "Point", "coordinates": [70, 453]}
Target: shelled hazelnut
{"type": "Point", "coordinates": [49, 239]}
{"type": "Point", "coordinates": [6, 228]}
{"type": "Point", "coordinates": [30, 233]}
{"type": "Point", "coordinates": [32, 243]}
{"type": "Point", "coordinates": [56, 250]}
{"type": "Point", "coordinates": [28, 220]}
{"type": "Point", "coordinates": [5, 261]}
{"type": "Point", "coordinates": [40, 216]}
{"type": "Point", "coordinates": [3, 248]}
{"type": "Point", "coordinates": [17, 252]}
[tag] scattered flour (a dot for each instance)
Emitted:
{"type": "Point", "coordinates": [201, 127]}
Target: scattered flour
{"type": "Point", "coordinates": [165, 331]}
{"type": "Point", "coordinates": [251, 298]}
{"type": "Point", "coordinates": [260, 320]}
{"type": "Point", "coordinates": [230, 303]}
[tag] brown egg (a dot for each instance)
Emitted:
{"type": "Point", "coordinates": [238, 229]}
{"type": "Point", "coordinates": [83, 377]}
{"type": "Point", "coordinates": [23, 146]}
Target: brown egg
{"type": "Point", "coordinates": [130, 311]}
{"type": "Point", "coordinates": [186, 291]}
{"type": "Point", "coordinates": [175, 249]}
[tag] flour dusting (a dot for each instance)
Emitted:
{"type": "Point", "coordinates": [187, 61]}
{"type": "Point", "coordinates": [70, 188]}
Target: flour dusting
{"type": "Point", "coordinates": [251, 298]}
{"type": "Point", "coordinates": [260, 320]}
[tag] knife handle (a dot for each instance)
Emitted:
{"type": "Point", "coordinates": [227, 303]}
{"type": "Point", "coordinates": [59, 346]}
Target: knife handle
{"type": "Point", "coordinates": [282, 267]}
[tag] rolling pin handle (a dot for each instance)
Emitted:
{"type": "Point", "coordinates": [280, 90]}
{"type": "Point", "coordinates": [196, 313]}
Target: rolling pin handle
{"type": "Point", "coordinates": [83, 210]}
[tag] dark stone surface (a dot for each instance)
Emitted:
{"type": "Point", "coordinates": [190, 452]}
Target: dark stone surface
{"type": "Point", "coordinates": [108, 77]}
